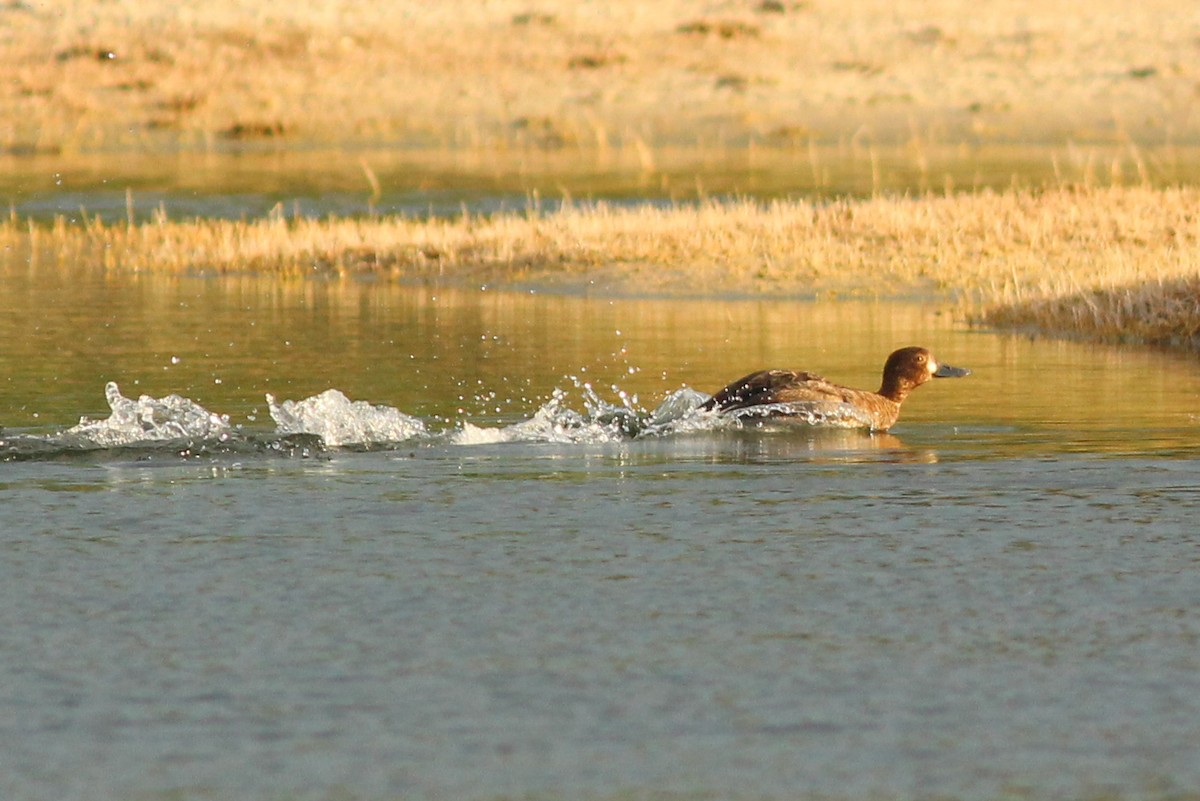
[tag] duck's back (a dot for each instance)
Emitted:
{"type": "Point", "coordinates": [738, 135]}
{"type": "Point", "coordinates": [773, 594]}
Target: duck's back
{"type": "Point", "coordinates": [780, 386]}
{"type": "Point", "coordinates": [813, 392]}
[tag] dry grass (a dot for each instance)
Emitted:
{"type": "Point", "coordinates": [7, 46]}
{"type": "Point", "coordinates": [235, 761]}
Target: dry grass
{"type": "Point", "coordinates": [573, 74]}
{"type": "Point", "coordinates": [1159, 312]}
{"type": "Point", "coordinates": [573, 78]}
{"type": "Point", "coordinates": [1116, 263]}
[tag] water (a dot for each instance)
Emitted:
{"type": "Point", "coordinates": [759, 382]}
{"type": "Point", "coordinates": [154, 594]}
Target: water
{"type": "Point", "coordinates": [247, 182]}
{"type": "Point", "coordinates": [491, 589]}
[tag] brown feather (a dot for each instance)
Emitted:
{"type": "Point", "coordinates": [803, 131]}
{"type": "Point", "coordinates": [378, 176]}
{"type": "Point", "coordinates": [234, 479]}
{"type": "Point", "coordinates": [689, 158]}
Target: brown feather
{"type": "Point", "coordinates": [905, 370]}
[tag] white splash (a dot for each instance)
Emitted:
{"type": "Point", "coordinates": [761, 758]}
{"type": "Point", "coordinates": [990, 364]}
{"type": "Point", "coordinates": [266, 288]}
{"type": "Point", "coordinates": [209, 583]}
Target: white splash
{"type": "Point", "coordinates": [601, 422]}
{"type": "Point", "coordinates": [149, 419]}
{"type": "Point", "coordinates": [470, 434]}
{"type": "Point", "coordinates": [680, 413]}
{"type": "Point", "coordinates": [340, 421]}
{"type": "Point", "coordinates": [554, 421]}
{"type": "Point", "coordinates": [821, 414]}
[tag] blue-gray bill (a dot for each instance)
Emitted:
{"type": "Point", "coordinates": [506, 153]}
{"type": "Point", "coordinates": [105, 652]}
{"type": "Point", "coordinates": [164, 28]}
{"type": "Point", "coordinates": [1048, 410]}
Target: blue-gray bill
{"type": "Point", "coordinates": [946, 371]}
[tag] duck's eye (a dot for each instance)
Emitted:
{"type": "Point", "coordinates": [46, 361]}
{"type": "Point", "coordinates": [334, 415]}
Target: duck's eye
{"type": "Point", "coordinates": [920, 358]}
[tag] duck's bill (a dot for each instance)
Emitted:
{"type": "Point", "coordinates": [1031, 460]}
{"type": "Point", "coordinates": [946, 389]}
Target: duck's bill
{"type": "Point", "coordinates": [946, 371]}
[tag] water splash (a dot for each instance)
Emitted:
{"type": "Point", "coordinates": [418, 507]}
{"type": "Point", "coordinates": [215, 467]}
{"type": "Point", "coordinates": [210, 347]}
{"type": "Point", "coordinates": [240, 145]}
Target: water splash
{"type": "Point", "coordinates": [680, 413]}
{"type": "Point", "coordinates": [820, 414]}
{"type": "Point", "coordinates": [554, 421]}
{"type": "Point", "coordinates": [600, 422]}
{"type": "Point", "coordinates": [331, 420]}
{"type": "Point", "coordinates": [340, 421]}
{"type": "Point", "coordinates": [148, 419]}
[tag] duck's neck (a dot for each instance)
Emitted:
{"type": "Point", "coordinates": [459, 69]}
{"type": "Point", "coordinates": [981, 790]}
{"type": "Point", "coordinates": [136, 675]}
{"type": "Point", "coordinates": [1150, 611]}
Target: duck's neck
{"type": "Point", "coordinates": [895, 390]}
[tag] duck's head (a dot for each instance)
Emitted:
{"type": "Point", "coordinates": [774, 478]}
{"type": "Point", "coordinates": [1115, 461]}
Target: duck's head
{"type": "Point", "coordinates": [908, 368]}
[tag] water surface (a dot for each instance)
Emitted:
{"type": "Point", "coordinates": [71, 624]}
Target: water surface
{"type": "Point", "coordinates": [248, 182]}
{"type": "Point", "coordinates": [997, 599]}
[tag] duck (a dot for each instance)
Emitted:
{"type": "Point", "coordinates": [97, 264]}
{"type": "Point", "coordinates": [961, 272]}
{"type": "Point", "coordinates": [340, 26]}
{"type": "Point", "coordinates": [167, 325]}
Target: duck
{"type": "Point", "coordinates": [905, 370]}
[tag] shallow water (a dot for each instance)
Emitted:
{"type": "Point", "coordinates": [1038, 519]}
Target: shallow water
{"type": "Point", "coordinates": [246, 182]}
{"type": "Point", "coordinates": [997, 599]}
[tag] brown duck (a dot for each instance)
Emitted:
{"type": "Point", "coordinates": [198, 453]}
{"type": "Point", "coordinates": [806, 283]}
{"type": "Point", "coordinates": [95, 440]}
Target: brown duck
{"type": "Point", "coordinates": [904, 371]}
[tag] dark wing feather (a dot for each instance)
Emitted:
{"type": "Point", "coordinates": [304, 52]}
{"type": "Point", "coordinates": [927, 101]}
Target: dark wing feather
{"type": "Point", "coordinates": [773, 386]}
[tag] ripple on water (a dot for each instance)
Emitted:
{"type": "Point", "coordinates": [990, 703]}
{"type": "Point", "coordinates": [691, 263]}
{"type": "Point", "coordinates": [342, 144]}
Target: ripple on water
{"type": "Point", "coordinates": [548, 619]}
{"type": "Point", "coordinates": [587, 596]}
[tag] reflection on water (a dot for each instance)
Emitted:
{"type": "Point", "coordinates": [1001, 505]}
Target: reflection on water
{"type": "Point", "coordinates": [249, 184]}
{"type": "Point", "coordinates": [450, 356]}
{"type": "Point", "coordinates": [995, 600]}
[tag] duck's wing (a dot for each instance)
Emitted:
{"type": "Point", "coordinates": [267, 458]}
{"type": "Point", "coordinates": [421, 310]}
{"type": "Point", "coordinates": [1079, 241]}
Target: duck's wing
{"type": "Point", "coordinates": [775, 386]}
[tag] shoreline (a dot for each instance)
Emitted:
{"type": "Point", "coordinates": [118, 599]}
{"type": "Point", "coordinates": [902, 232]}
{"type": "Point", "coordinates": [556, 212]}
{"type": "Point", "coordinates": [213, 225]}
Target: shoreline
{"type": "Point", "coordinates": [780, 100]}
{"type": "Point", "coordinates": [411, 182]}
{"type": "Point", "coordinates": [1113, 264]}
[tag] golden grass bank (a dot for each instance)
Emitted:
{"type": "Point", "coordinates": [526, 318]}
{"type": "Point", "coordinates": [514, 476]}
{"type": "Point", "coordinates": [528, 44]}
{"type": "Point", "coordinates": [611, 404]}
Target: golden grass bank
{"type": "Point", "coordinates": [1114, 264]}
